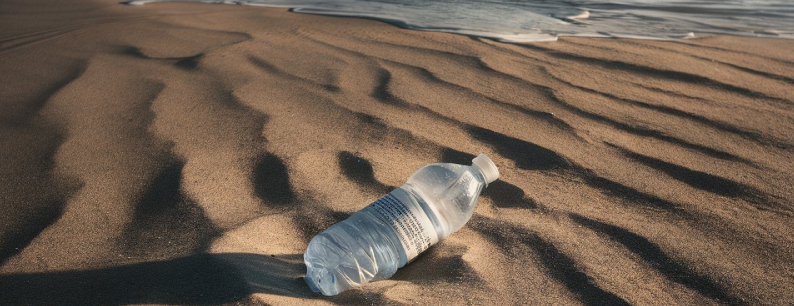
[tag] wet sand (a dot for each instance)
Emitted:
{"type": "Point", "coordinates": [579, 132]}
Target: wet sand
{"type": "Point", "coordinates": [186, 154]}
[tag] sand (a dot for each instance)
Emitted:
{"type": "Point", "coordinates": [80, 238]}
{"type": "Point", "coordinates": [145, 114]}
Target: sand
{"type": "Point", "coordinates": [186, 154]}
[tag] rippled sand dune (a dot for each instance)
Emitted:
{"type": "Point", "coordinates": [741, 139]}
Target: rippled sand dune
{"type": "Point", "coordinates": [186, 153]}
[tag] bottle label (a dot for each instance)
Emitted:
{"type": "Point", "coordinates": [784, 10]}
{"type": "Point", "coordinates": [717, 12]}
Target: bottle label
{"type": "Point", "coordinates": [408, 220]}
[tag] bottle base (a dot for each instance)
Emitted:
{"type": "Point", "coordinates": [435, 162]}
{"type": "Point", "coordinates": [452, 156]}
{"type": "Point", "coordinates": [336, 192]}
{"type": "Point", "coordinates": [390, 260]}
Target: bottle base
{"type": "Point", "coordinates": [321, 281]}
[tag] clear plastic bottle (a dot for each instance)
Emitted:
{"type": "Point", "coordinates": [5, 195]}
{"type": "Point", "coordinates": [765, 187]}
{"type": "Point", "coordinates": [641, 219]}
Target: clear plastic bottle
{"type": "Point", "coordinates": [373, 243]}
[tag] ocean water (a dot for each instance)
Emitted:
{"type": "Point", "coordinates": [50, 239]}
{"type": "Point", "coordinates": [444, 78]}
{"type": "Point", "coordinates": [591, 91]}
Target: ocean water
{"type": "Point", "coordinates": [545, 20]}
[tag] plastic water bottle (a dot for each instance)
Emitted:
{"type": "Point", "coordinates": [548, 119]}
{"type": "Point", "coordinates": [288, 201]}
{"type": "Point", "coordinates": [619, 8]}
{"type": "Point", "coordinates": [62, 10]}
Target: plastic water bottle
{"type": "Point", "coordinates": [373, 243]}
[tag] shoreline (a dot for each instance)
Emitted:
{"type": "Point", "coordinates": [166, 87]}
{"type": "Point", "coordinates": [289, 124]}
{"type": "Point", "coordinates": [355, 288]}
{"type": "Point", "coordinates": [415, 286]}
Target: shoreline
{"type": "Point", "coordinates": [141, 147]}
{"type": "Point", "coordinates": [544, 30]}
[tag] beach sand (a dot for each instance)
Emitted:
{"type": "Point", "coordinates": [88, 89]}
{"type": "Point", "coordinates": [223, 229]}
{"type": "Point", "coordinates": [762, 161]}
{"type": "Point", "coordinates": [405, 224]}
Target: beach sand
{"type": "Point", "coordinates": [187, 153]}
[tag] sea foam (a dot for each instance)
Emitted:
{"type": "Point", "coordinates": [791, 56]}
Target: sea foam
{"type": "Point", "coordinates": [545, 20]}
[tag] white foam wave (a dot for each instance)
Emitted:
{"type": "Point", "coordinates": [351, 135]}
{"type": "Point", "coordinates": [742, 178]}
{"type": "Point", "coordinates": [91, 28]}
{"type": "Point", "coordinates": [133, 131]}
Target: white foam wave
{"type": "Point", "coordinates": [545, 20]}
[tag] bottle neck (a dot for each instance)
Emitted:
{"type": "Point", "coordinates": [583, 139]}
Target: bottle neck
{"type": "Point", "coordinates": [479, 174]}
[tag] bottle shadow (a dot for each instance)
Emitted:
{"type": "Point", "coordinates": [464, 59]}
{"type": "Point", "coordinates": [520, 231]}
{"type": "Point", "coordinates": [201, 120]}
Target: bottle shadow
{"type": "Point", "coordinates": [201, 279]}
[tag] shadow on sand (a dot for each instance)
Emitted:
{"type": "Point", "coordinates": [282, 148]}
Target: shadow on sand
{"type": "Point", "coordinates": [202, 279]}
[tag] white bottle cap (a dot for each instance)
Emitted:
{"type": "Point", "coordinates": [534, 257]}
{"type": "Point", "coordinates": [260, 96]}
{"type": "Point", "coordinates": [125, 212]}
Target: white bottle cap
{"type": "Point", "coordinates": [487, 167]}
